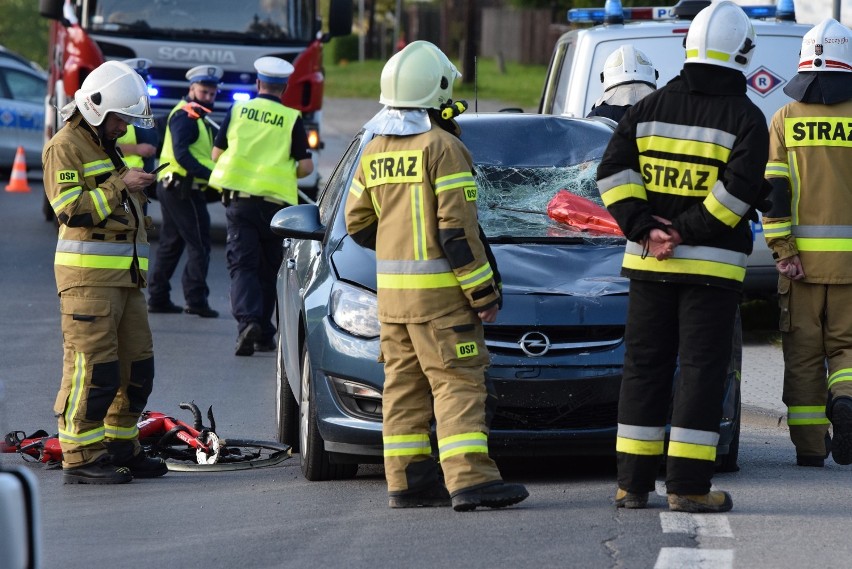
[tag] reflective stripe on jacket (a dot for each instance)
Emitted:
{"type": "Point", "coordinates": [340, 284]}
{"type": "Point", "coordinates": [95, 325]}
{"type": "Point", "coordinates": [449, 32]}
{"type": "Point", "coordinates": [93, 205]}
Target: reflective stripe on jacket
{"type": "Point", "coordinates": [257, 160]}
{"type": "Point", "coordinates": [692, 153]}
{"type": "Point", "coordinates": [414, 199]}
{"type": "Point", "coordinates": [810, 146]}
{"type": "Point", "coordinates": [201, 149]}
{"type": "Point", "coordinates": [102, 234]}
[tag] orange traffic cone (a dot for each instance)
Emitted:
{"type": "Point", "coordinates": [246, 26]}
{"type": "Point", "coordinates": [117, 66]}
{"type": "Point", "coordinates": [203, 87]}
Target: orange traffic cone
{"type": "Point", "coordinates": [18, 181]}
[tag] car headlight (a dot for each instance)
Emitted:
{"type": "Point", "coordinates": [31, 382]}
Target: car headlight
{"type": "Point", "coordinates": [355, 310]}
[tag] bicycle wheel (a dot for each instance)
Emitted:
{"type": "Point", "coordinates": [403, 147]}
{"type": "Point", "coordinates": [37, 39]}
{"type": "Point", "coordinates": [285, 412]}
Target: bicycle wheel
{"type": "Point", "coordinates": [234, 454]}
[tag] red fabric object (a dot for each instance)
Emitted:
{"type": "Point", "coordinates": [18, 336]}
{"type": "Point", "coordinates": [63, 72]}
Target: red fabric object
{"type": "Point", "coordinates": [581, 214]}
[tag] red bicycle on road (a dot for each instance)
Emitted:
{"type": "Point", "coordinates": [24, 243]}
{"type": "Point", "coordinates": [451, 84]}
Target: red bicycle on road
{"type": "Point", "coordinates": [185, 447]}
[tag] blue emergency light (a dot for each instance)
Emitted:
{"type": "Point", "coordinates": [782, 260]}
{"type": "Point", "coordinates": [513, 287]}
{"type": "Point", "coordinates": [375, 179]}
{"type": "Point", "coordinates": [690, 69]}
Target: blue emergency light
{"type": "Point", "coordinates": [614, 13]}
{"type": "Point", "coordinates": [152, 91]}
{"type": "Point", "coordinates": [240, 97]}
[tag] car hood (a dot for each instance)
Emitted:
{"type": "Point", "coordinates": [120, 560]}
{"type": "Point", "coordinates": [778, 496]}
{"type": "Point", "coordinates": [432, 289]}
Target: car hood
{"type": "Point", "coordinates": [575, 270]}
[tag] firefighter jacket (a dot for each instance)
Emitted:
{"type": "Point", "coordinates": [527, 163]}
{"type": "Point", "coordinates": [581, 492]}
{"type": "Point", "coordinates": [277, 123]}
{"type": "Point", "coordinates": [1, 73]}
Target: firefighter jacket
{"type": "Point", "coordinates": [692, 153]}
{"type": "Point", "coordinates": [810, 168]}
{"type": "Point", "coordinates": [200, 158]}
{"type": "Point", "coordinates": [413, 200]}
{"type": "Point", "coordinates": [102, 230]}
{"type": "Point", "coordinates": [258, 158]}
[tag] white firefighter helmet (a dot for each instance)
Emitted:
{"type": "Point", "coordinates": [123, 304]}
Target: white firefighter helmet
{"type": "Point", "coordinates": [419, 76]}
{"type": "Point", "coordinates": [826, 47]}
{"type": "Point", "coordinates": [628, 65]}
{"type": "Point", "coordinates": [721, 34]}
{"type": "Point", "coordinates": [114, 87]}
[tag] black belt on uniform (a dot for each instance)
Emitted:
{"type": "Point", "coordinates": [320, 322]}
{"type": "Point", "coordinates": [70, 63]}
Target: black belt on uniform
{"type": "Point", "coordinates": [235, 196]}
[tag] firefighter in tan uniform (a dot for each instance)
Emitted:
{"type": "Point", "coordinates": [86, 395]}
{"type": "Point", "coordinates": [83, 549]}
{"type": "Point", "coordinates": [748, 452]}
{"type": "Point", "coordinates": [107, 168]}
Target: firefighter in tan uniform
{"type": "Point", "coordinates": [413, 200]}
{"type": "Point", "coordinates": [809, 230]}
{"type": "Point", "coordinates": [100, 265]}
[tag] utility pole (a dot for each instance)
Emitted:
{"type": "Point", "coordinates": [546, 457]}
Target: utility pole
{"type": "Point", "coordinates": [469, 45]}
{"type": "Point", "coordinates": [836, 10]}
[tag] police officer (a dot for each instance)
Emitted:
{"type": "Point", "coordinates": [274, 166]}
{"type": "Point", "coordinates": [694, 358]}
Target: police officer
{"type": "Point", "coordinates": [436, 286]}
{"type": "Point", "coordinates": [260, 152]}
{"type": "Point", "coordinates": [100, 266]}
{"type": "Point", "coordinates": [680, 175]}
{"type": "Point", "coordinates": [186, 221]}
{"type": "Point", "coordinates": [809, 229]}
{"type": "Point", "coordinates": [627, 76]}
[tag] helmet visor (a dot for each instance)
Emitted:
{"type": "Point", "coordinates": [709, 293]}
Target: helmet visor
{"type": "Point", "coordinates": [139, 115]}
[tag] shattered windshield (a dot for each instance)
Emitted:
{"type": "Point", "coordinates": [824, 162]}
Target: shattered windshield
{"type": "Point", "coordinates": [251, 21]}
{"type": "Point", "coordinates": [536, 179]}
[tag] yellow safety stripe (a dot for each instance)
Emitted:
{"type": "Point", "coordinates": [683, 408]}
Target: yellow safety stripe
{"type": "Point", "coordinates": [87, 438]}
{"type": "Point", "coordinates": [724, 206]}
{"type": "Point", "coordinates": [463, 443]}
{"type": "Point", "coordinates": [375, 201]}
{"type": "Point", "coordinates": [101, 204]}
{"type": "Point", "coordinates": [844, 374]}
{"type": "Point", "coordinates": [97, 261]}
{"type": "Point", "coordinates": [795, 186]}
{"type": "Point", "coordinates": [418, 223]}
{"type": "Point", "coordinates": [710, 53]}
{"type": "Point", "coordinates": [407, 445]}
{"type": "Point", "coordinates": [453, 181]}
{"type": "Point", "coordinates": [621, 186]}
{"type": "Point", "coordinates": [692, 450]}
{"type": "Point", "coordinates": [806, 415]}
{"type": "Point", "coordinates": [66, 197]}
{"type": "Point", "coordinates": [817, 131]}
{"type": "Point", "coordinates": [683, 147]}
{"type": "Point", "coordinates": [821, 244]}
{"type": "Point", "coordinates": [644, 448]}
{"type": "Point", "coordinates": [777, 170]}
{"type": "Point", "coordinates": [78, 378]}
{"type": "Point", "coordinates": [730, 268]}
{"type": "Point", "coordinates": [477, 277]}
{"type": "Point", "coordinates": [125, 433]}
{"type": "Point", "coordinates": [413, 282]}
{"type": "Point", "coordinates": [97, 167]}
{"type": "Point", "coordinates": [355, 188]}
{"type": "Point", "coordinates": [773, 230]}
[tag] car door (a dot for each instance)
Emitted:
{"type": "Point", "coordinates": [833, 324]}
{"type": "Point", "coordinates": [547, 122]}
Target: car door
{"type": "Point", "coordinates": [22, 110]}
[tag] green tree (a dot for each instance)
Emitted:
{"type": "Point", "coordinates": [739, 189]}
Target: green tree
{"type": "Point", "coordinates": [22, 29]}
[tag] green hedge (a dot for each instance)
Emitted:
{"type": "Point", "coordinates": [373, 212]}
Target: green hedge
{"type": "Point", "coordinates": [343, 48]}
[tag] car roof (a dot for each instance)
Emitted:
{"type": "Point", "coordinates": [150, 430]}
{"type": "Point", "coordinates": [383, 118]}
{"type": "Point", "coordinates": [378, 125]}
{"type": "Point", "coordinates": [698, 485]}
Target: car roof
{"type": "Point", "coordinates": [12, 60]}
{"type": "Point", "coordinates": [639, 29]}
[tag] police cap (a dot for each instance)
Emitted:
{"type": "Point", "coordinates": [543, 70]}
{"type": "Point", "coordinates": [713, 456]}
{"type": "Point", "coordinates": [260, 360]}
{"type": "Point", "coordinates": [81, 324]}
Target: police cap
{"type": "Point", "coordinates": [139, 64]}
{"type": "Point", "coordinates": [205, 74]}
{"type": "Point", "coordinates": [273, 69]}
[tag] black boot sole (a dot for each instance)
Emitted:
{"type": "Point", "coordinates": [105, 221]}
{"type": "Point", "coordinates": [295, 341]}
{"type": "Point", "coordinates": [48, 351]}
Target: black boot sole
{"type": "Point", "coordinates": [76, 479]}
{"type": "Point", "coordinates": [503, 501]}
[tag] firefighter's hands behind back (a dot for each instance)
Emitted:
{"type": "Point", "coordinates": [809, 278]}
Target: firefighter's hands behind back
{"type": "Point", "coordinates": [137, 179]}
{"type": "Point", "coordinates": [791, 267]}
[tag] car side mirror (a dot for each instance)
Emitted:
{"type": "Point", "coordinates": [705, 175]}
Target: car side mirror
{"type": "Point", "coordinates": [298, 222]}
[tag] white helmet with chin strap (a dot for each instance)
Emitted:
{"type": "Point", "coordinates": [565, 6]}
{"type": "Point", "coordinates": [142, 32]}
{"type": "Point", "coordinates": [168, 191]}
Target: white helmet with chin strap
{"type": "Point", "coordinates": [628, 65]}
{"type": "Point", "coordinates": [114, 87]}
{"type": "Point", "coordinates": [419, 76]}
{"type": "Point", "coordinates": [827, 47]}
{"type": "Point", "coordinates": [721, 34]}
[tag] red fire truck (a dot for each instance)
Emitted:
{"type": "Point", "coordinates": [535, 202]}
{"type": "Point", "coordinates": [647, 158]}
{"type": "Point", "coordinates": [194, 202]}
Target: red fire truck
{"type": "Point", "coordinates": [177, 35]}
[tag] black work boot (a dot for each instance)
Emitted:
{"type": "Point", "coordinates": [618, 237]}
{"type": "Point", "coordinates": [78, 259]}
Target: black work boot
{"type": "Point", "coordinates": [144, 466]}
{"type": "Point", "coordinates": [433, 496]}
{"type": "Point", "coordinates": [813, 460]}
{"type": "Point", "coordinates": [247, 338]}
{"type": "Point", "coordinates": [630, 500]}
{"type": "Point", "coordinates": [841, 425]}
{"type": "Point", "coordinates": [490, 495]}
{"type": "Point", "coordinates": [101, 471]}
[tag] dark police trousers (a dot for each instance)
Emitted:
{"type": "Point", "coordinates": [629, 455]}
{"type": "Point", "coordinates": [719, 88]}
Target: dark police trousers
{"type": "Point", "coordinates": [186, 225]}
{"type": "Point", "coordinates": [254, 256]}
{"type": "Point", "coordinates": [670, 324]}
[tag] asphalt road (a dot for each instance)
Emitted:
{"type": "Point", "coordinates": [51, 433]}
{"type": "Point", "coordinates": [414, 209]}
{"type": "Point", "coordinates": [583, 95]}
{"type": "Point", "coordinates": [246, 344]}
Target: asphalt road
{"type": "Point", "coordinates": [783, 516]}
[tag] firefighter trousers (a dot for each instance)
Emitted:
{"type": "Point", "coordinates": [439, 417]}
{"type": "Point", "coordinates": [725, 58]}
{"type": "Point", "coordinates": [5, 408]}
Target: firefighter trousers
{"type": "Point", "coordinates": [436, 368]}
{"type": "Point", "coordinates": [671, 326]}
{"type": "Point", "coordinates": [816, 335]}
{"type": "Point", "coordinates": [108, 370]}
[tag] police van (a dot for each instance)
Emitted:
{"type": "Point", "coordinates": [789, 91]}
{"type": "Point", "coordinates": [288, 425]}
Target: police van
{"type": "Point", "coordinates": [573, 82]}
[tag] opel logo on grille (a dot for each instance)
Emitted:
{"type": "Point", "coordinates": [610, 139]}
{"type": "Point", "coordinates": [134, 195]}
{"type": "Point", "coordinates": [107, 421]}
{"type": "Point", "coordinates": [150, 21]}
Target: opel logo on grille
{"type": "Point", "coordinates": [534, 344]}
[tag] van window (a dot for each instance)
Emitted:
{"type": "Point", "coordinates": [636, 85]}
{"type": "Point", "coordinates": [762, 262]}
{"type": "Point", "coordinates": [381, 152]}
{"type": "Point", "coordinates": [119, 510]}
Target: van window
{"type": "Point", "coordinates": [558, 84]}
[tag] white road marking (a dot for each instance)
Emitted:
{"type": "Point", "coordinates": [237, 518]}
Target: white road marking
{"type": "Point", "coordinates": [690, 558]}
{"type": "Point", "coordinates": [704, 525]}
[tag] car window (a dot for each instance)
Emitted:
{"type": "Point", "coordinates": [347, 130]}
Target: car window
{"type": "Point", "coordinates": [23, 86]}
{"type": "Point", "coordinates": [562, 67]}
{"type": "Point", "coordinates": [339, 182]}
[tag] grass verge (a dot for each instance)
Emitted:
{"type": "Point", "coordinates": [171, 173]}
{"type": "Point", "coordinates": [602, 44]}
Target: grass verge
{"type": "Point", "coordinates": [519, 86]}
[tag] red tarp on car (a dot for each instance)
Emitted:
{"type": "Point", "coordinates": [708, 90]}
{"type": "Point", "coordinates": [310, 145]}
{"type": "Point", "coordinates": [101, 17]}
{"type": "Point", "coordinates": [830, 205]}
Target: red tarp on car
{"type": "Point", "coordinates": [581, 214]}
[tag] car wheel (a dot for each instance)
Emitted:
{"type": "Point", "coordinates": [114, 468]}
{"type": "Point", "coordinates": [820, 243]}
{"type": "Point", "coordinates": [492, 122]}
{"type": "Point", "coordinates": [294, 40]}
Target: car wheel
{"type": "Point", "coordinates": [288, 410]}
{"type": "Point", "coordinates": [316, 463]}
